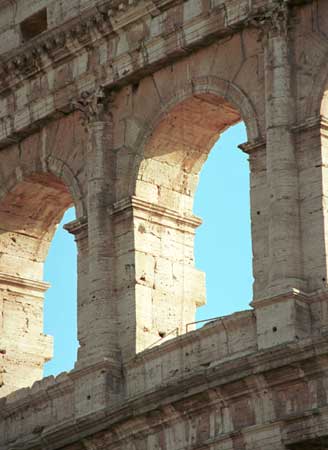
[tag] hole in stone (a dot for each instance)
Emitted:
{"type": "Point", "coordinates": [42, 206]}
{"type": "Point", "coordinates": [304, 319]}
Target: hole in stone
{"type": "Point", "coordinates": [88, 397]}
{"type": "Point", "coordinates": [274, 329]}
{"type": "Point", "coordinates": [141, 229]}
{"type": "Point", "coordinates": [258, 212]}
{"type": "Point", "coordinates": [323, 279]}
{"type": "Point", "coordinates": [162, 334]}
{"type": "Point", "coordinates": [34, 25]}
{"type": "Point", "coordinates": [135, 87]}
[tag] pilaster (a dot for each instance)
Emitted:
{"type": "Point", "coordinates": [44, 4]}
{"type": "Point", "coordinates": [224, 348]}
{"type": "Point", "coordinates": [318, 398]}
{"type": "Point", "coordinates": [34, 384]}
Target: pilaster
{"type": "Point", "coordinates": [282, 174]}
{"type": "Point", "coordinates": [158, 287]}
{"type": "Point", "coordinates": [283, 297]}
{"type": "Point", "coordinates": [79, 229]}
{"type": "Point", "coordinates": [98, 313]}
{"type": "Point", "coordinates": [259, 199]}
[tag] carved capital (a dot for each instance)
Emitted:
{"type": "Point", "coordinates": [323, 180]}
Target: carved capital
{"type": "Point", "coordinates": [93, 105]}
{"type": "Point", "coordinates": [274, 22]}
{"type": "Point", "coordinates": [278, 23]}
{"type": "Point", "coordinates": [78, 227]}
{"type": "Point", "coordinates": [251, 148]}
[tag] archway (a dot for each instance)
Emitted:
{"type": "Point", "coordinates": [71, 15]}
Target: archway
{"type": "Point", "coordinates": [168, 286]}
{"type": "Point", "coordinates": [29, 214]}
{"type": "Point", "coordinates": [60, 308]}
{"type": "Point", "coordinates": [223, 242]}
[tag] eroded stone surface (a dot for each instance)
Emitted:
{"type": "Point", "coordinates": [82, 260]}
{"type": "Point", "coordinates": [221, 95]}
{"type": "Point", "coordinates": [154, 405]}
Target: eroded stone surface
{"type": "Point", "coordinates": [113, 107]}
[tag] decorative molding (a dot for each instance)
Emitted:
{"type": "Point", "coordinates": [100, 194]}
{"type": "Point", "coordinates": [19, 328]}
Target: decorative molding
{"type": "Point", "coordinates": [252, 147]}
{"type": "Point", "coordinates": [273, 21]}
{"type": "Point", "coordinates": [93, 105]}
{"type": "Point", "coordinates": [307, 124]}
{"type": "Point", "coordinates": [78, 227]}
{"type": "Point", "coordinates": [310, 123]}
{"type": "Point", "coordinates": [293, 293]}
{"type": "Point", "coordinates": [155, 211]}
{"type": "Point", "coordinates": [19, 284]}
{"type": "Point", "coordinates": [105, 19]}
{"type": "Point", "coordinates": [81, 31]}
{"type": "Point", "coordinates": [219, 373]}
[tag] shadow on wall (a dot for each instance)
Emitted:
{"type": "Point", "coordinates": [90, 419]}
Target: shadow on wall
{"type": "Point", "coordinates": [223, 247]}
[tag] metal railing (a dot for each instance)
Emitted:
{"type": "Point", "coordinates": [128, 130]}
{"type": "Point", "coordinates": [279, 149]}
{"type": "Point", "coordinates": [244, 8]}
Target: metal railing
{"type": "Point", "coordinates": [201, 321]}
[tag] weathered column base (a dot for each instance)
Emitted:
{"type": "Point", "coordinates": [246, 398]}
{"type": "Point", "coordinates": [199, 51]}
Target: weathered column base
{"type": "Point", "coordinates": [282, 318]}
{"type": "Point", "coordinates": [96, 387]}
{"type": "Point", "coordinates": [157, 286]}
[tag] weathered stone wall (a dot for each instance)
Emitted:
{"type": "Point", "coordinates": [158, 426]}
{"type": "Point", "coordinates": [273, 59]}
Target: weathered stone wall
{"type": "Point", "coordinates": [113, 107]}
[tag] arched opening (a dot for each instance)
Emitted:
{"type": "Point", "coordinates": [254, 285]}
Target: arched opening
{"type": "Point", "coordinates": [223, 242]}
{"type": "Point", "coordinates": [168, 177]}
{"type": "Point", "coordinates": [60, 309]}
{"type": "Point", "coordinates": [179, 146]}
{"type": "Point", "coordinates": [29, 215]}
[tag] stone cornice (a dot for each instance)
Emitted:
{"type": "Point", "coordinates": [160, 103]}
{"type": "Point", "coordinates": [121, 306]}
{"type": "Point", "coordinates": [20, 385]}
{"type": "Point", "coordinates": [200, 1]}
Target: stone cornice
{"type": "Point", "coordinates": [282, 297]}
{"type": "Point", "coordinates": [138, 205]}
{"type": "Point", "coordinates": [232, 371]}
{"type": "Point", "coordinates": [252, 147]}
{"type": "Point", "coordinates": [78, 227]}
{"type": "Point", "coordinates": [58, 46]}
{"type": "Point", "coordinates": [310, 123]}
{"type": "Point", "coordinates": [63, 42]}
{"type": "Point", "coordinates": [20, 284]}
{"type": "Point", "coordinates": [106, 19]}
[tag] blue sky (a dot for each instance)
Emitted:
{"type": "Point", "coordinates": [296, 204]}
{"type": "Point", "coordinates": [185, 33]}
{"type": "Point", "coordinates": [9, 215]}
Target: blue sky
{"type": "Point", "coordinates": [222, 249]}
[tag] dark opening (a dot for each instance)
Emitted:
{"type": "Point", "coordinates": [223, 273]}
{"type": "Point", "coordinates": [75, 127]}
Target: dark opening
{"type": "Point", "coordinates": [34, 25]}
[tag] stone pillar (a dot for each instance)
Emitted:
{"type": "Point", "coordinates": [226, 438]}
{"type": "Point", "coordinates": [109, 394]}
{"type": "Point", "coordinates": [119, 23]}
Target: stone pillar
{"type": "Point", "coordinates": [259, 199]}
{"type": "Point", "coordinates": [283, 314]}
{"type": "Point", "coordinates": [79, 229]}
{"type": "Point", "coordinates": [157, 285]}
{"type": "Point", "coordinates": [284, 217]}
{"type": "Point", "coordinates": [311, 138]}
{"type": "Point", "coordinates": [98, 315]}
{"type": "Point", "coordinates": [23, 347]}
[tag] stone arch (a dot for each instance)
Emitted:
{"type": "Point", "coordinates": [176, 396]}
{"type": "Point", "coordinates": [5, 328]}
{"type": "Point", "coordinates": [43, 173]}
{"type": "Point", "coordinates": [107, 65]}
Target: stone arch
{"type": "Point", "coordinates": [41, 178]}
{"type": "Point", "coordinates": [317, 100]}
{"type": "Point", "coordinates": [221, 97]}
{"type": "Point", "coordinates": [159, 246]}
{"type": "Point", "coordinates": [62, 170]}
{"type": "Point", "coordinates": [54, 167]}
{"type": "Point", "coordinates": [30, 210]}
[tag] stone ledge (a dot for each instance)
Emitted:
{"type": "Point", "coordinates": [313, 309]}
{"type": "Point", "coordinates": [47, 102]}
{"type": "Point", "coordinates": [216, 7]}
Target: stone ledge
{"type": "Point", "coordinates": [19, 284]}
{"type": "Point", "coordinates": [144, 209]}
{"type": "Point", "coordinates": [116, 72]}
{"type": "Point", "coordinates": [196, 388]}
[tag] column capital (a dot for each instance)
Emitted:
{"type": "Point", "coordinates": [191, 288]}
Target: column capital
{"type": "Point", "coordinates": [274, 22]}
{"type": "Point", "coordinates": [78, 227]}
{"type": "Point", "coordinates": [252, 147]}
{"type": "Point", "coordinates": [94, 106]}
{"type": "Point", "coordinates": [143, 209]}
